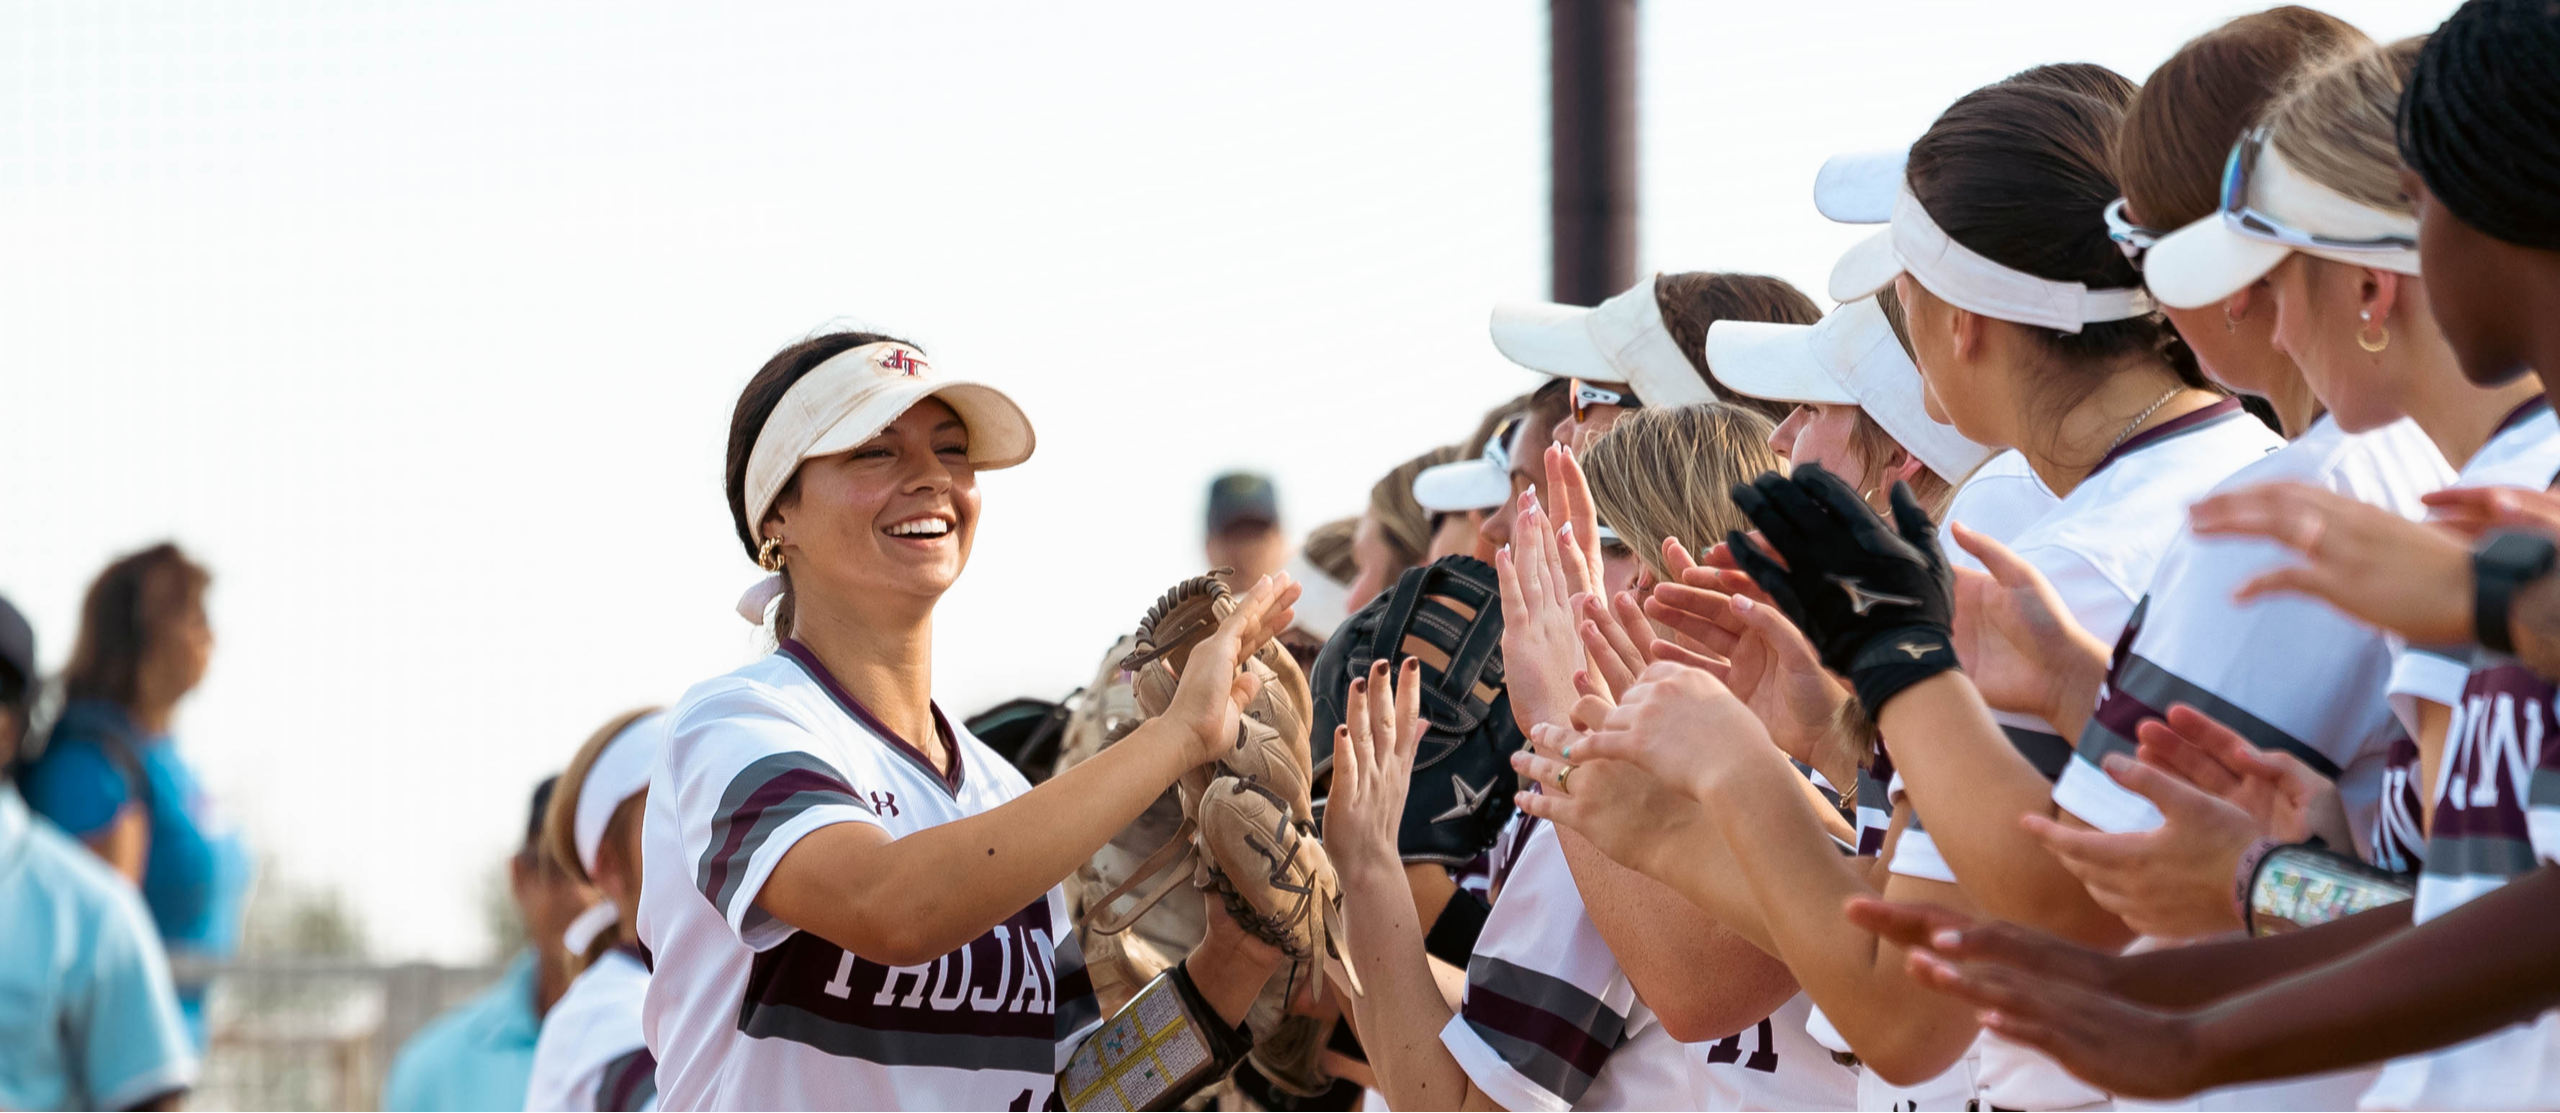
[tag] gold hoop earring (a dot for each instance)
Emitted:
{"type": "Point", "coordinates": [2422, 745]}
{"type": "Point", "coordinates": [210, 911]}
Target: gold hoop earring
{"type": "Point", "coordinates": [769, 555]}
{"type": "Point", "coordinates": [2370, 342]}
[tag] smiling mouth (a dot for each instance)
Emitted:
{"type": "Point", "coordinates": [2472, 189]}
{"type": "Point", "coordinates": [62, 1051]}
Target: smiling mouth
{"type": "Point", "coordinates": [921, 528]}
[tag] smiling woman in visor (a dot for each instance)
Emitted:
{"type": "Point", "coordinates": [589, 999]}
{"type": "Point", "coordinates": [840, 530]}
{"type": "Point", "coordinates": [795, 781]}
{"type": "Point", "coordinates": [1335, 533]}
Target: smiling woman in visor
{"type": "Point", "coordinates": [851, 901]}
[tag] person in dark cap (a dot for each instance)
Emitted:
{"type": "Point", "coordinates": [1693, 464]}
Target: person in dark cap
{"type": "Point", "coordinates": [93, 1015]}
{"type": "Point", "coordinates": [1244, 528]}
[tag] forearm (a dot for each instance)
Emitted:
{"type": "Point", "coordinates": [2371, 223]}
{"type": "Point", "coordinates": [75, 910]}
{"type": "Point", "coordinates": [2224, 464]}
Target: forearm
{"type": "Point", "coordinates": [1701, 979]}
{"type": "Point", "coordinates": [2472, 971]}
{"type": "Point", "coordinates": [2078, 676]}
{"type": "Point", "coordinates": [892, 900]}
{"type": "Point", "coordinates": [1789, 872]}
{"type": "Point", "coordinates": [1973, 786]}
{"type": "Point", "coordinates": [2189, 977]}
{"type": "Point", "coordinates": [1399, 1011]}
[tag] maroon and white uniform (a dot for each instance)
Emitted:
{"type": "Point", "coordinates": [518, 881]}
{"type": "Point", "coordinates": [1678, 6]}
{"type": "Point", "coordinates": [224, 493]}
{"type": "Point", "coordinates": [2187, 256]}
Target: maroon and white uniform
{"type": "Point", "coordinates": [591, 1055]}
{"type": "Point", "coordinates": [2100, 548]}
{"type": "Point", "coordinates": [2497, 815]}
{"type": "Point", "coordinates": [1549, 1021]}
{"type": "Point", "coordinates": [745, 1011]}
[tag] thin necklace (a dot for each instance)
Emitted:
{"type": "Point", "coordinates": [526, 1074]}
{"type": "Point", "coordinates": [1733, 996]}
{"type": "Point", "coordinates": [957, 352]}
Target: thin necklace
{"type": "Point", "coordinates": [2144, 416]}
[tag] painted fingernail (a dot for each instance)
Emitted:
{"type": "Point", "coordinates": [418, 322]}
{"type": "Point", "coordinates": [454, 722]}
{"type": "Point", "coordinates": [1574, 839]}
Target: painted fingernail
{"type": "Point", "coordinates": [1743, 603]}
{"type": "Point", "coordinates": [1946, 939]}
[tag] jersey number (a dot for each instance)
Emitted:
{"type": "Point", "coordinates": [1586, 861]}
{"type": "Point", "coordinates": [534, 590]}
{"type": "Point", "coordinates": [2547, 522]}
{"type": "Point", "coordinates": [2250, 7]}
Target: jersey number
{"type": "Point", "coordinates": [1764, 1060]}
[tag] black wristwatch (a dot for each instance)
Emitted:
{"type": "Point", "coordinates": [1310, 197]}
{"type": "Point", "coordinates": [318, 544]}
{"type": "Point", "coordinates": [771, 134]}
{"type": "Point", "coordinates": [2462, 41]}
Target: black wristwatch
{"type": "Point", "coordinates": [2500, 567]}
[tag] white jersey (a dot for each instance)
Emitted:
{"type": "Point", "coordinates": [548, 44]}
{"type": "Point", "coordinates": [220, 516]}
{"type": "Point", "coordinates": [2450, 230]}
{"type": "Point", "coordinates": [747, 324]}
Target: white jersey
{"type": "Point", "coordinates": [1549, 1021]}
{"type": "Point", "coordinates": [1775, 1064]}
{"type": "Point", "coordinates": [747, 1012]}
{"type": "Point", "coordinates": [2000, 500]}
{"type": "Point", "coordinates": [591, 1056]}
{"type": "Point", "coordinates": [2100, 549]}
{"type": "Point", "coordinates": [2524, 452]}
{"type": "Point", "coordinates": [2497, 816]}
{"type": "Point", "coordinates": [2287, 671]}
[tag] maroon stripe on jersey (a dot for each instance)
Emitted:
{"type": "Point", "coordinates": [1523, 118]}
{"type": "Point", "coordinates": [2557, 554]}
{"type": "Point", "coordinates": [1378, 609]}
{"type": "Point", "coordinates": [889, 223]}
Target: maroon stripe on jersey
{"type": "Point", "coordinates": [2523, 412]}
{"type": "Point", "coordinates": [861, 713]}
{"type": "Point", "coordinates": [769, 792]}
{"type": "Point", "coordinates": [991, 1005]}
{"type": "Point", "coordinates": [2399, 833]}
{"type": "Point", "coordinates": [1487, 1011]}
{"type": "Point", "coordinates": [629, 1082]}
{"type": "Point", "coordinates": [2182, 423]}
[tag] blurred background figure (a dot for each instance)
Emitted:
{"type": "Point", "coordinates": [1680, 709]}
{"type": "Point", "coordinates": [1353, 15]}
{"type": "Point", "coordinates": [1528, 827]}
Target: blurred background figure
{"type": "Point", "coordinates": [480, 1054]}
{"type": "Point", "coordinates": [111, 775]}
{"type": "Point", "coordinates": [90, 1016]}
{"type": "Point", "coordinates": [1244, 528]}
{"type": "Point", "coordinates": [1395, 533]}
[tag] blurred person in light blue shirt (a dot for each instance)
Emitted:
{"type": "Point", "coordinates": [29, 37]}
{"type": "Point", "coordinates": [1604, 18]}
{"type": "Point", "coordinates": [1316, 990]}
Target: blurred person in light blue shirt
{"type": "Point", "coordinates": [88, 1018]}
{"type": "Point", "coordinates": [479, 1055]}
{"type": "Point", "coordinates": [111, 775]}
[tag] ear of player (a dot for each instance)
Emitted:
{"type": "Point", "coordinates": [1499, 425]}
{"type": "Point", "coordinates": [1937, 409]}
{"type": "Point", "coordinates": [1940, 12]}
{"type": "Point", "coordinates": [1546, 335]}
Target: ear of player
{"type": "Point", "coordinates": [1877, 598]}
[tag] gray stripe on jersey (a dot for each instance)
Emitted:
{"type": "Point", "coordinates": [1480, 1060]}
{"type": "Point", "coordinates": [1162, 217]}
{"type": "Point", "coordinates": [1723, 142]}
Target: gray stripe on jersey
{"type": "Point", "coordinates": [2479, 856]}
{"type": "Point", "coordinates": [769, 792]}
{"type": "Point", "coordinates": [2544, 791]}
{"type": "Point", "coordinates": [2158, 688]}
{"type": "Point", "coordinates": [1535, 1063]}
{"type": "Point", "coordinates": [1550, 994]}
{"type": "Point", "coordinates": [959, 1050]}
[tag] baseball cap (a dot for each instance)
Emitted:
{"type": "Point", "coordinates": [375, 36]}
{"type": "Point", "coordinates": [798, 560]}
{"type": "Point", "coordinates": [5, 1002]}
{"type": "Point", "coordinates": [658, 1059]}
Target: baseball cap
{"type": "Point", "coordinates": [1851, 358]}
{"type": "Point", "coordinates": [1621, 340]}
{"type": "Point", "coordinates": [855, 394]}
{"type": "Point", "coordinates": [2270, 210]}
{"type": "Point", "coordinates": [17, 653]}
{"type": "Point", "coordinates": [1242, 496]}
{"type": "Point", "coordinates": [1858, 187]}
{"type": "Point", "coordinates": [1478, 484]}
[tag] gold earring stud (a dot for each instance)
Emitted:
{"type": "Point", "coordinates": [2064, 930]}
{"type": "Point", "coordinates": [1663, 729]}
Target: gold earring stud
{"type": "Point", "coordinates": [769, 555]}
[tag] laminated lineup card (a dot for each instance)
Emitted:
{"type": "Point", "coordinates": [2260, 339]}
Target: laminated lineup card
{"type": "Point", "coordinates": [1151, 1049]}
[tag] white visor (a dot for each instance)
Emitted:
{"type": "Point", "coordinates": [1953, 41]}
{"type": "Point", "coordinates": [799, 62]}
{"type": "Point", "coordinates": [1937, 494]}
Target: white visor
{"type": "Point", "coordinates": [1967, 280]}
{"type": "Point", "coordinates": [2211, 259]}
{"type": "Point", "coordinates": [849, 399]}
{"type": "Point", "coordinates": [1858, 188]}
{"type": "Point", "coordinates": [1850, 359]}
{"type": "Point", "coordinates": [1621, 340]}
{"type": "Point", "coordinates": [619, 772]}
{"type": "Point", "coordinates": [1478, 484]}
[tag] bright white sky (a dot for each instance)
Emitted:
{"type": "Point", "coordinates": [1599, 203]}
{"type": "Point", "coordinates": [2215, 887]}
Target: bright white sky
{"type": "Point", "coordinates": [421, 323]}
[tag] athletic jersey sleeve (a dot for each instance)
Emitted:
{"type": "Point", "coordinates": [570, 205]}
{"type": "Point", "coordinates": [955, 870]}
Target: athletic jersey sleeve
{"type": "Point", "coordinates": [77, 787]}
{"type": "Point", "coordinates": [1545, 1003]}
{"type": "Point", "coordinates": [122, 1017]}
{"type": "Point", "coordinates": [751, 779]}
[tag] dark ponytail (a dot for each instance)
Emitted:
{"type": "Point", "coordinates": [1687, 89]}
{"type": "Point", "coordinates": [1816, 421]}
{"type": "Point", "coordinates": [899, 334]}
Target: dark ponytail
{"type": "Point", "coordinates": [2480, 119]}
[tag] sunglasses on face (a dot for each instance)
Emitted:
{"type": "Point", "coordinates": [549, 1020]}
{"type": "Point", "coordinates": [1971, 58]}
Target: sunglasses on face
{"type": "Point", "coordinates": [1585, 396]}
{"type": "Point", "coordinates": [2257, 225]}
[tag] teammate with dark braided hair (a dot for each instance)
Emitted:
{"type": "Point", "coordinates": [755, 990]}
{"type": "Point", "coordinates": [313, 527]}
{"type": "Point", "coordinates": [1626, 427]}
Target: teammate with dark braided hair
{"type": "Point", "coordinates": [2479, 132]}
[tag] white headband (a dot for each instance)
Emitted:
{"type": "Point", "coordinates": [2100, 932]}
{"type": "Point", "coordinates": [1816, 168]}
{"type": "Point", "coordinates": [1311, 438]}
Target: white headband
{"type": "Point", "coordinates": [1965, 279]}
{"type": "Point", "coordinates": [619, 772]}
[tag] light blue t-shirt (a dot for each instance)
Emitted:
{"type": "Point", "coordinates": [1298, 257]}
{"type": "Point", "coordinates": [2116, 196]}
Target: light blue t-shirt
{"type": "Point", "coordinates": [196, 878]}
{"type": "Point", "coordinates": [477, 1056]}
{"type": "Point", "coordinates": [88, 1019]}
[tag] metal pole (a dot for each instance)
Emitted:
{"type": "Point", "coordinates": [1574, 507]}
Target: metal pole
{"type": "Point", "coordinates": [1591, 68]}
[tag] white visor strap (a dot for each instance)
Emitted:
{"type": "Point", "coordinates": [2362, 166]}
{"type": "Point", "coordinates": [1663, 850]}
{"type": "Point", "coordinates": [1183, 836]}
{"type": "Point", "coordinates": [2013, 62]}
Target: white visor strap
{"type": "Point", "coordinates": [1963, 278]}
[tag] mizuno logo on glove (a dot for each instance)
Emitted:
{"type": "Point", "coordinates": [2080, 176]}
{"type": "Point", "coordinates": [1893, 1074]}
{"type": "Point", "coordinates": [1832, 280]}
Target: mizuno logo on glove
{"type": "Point", "coordinates": [1862, 600]}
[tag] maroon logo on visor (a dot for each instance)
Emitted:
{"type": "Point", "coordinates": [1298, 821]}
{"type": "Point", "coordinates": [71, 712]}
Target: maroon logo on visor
{"type": "Point", "coordinates": [901, 361]}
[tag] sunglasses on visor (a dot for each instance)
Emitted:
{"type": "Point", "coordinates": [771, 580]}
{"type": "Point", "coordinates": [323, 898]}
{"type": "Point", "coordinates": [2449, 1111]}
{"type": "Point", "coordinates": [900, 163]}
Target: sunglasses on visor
{"type": "Point", "coordinates": [1585, 396]}
{"type": "Point", "coordinates": [2131, 238]}
{"type": "Point", "coordinates": [2257, 225]}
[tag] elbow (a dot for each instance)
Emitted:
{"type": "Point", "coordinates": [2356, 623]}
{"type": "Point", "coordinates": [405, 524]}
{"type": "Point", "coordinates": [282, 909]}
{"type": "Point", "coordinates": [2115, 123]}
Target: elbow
{"type": "Point", "coordinates": [1911, 1062]}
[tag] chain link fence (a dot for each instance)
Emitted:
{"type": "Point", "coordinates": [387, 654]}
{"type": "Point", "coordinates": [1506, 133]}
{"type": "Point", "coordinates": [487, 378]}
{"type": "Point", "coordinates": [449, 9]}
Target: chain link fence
{"type": "Point", "coordinates": [316, 1033]}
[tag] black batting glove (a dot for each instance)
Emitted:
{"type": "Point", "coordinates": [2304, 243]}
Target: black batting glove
{"type": "Point", "coordinates": [1876, 599]}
